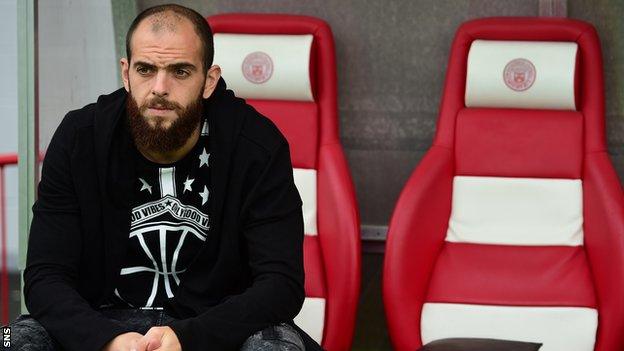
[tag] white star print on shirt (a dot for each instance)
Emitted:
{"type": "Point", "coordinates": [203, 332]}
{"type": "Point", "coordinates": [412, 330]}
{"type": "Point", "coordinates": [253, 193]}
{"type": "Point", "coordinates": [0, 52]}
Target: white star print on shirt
{"type": "Point", "coordinates": [204, 195]}
{"type": "Point", "coordinates": [203, 158]}
{"type": "Point", "coordinates": [145, 185]}
{"type": "Point", "coordinates": [187, 185]}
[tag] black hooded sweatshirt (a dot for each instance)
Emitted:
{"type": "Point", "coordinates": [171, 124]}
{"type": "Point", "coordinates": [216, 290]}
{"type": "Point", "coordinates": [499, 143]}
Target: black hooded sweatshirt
{"type": "Point", "coordinates": [249, 272]}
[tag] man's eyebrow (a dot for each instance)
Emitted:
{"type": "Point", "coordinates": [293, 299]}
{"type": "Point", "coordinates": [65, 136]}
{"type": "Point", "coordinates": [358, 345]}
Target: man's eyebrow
{"type": "Point", "coordinates": [173, 66]}
{"type": "Point", "coordinates": [182, 65]}
{"type": "Point", "coordinates": [144, 64]}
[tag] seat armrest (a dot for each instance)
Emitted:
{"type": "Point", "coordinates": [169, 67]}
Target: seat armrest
{"type": "Point", "coordinates": [474, 344]}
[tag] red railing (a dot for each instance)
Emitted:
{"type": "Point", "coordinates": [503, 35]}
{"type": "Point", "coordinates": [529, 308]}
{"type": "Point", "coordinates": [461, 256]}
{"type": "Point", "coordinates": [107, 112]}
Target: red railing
{"type": "Point", "coordinates": [5, 160]}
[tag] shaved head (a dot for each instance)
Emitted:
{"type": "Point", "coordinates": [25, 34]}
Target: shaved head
{"type": "Point", "coordinates": [168, 18]}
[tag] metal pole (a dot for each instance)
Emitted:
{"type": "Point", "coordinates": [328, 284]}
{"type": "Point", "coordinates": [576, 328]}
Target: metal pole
{"type": "Point", "coordinates": [28, 120]}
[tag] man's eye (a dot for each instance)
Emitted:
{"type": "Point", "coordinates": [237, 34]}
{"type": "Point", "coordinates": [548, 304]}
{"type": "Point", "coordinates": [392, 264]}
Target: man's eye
{"type": "Point", "coordinates": [181, 73]}
{"type": "Point", "coordinates": [143, 70]}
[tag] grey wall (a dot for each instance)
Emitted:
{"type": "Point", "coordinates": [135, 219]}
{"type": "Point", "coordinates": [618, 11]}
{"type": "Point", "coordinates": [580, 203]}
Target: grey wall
{"type": "Point", "coordinates": [77, 58]}
{"type": "Point", "coordinates": [606, 16]}
{"type": "Point", "coordinates": [392, 59]}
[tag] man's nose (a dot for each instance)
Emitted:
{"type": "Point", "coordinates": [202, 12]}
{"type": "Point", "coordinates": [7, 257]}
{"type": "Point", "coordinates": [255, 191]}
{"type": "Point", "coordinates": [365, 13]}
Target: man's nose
{"type": "Point", "coordinates": [161, 84]}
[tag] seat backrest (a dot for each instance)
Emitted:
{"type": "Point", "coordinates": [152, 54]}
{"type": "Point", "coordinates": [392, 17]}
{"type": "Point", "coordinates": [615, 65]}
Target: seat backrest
{"type": "Point", "coordinates": [515, 244]}
{"type": "Point", "coordinates": [285, 67]}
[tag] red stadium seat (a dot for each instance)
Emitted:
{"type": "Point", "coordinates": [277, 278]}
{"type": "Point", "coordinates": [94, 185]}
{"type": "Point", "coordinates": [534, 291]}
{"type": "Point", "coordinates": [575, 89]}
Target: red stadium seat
{"type": "Point", "coordinates": [285, 67]}
{"type": "Point", "coordinates": [512, 225]}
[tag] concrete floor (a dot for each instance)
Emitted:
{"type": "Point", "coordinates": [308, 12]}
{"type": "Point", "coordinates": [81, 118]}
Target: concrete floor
{"type": "Point", "coordinates": [371, 332]}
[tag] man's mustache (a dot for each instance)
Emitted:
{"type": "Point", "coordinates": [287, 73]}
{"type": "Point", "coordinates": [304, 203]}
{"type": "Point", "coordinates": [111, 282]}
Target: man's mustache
{"type": "Point", "coordinates": [161, 103]}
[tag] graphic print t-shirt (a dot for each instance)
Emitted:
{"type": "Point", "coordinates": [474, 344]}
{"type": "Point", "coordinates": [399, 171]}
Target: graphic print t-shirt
{"type": "Point", "coordinates": [169, 225]}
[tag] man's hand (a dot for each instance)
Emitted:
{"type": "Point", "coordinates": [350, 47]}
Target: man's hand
{"type": "Point", "coordinates": [159, 339]}
{"type": "Point", "coordinates": [124, 342]}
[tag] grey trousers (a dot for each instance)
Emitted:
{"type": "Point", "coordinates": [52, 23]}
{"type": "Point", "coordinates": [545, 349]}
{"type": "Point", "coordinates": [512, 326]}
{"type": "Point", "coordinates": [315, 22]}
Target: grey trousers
{"type": "Point", "coordinates": [28, 335]}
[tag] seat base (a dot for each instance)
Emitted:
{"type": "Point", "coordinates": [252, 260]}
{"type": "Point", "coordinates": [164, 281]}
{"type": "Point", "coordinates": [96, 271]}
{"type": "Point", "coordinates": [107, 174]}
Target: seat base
{"type": "Point", "coordinates": [475, 344]}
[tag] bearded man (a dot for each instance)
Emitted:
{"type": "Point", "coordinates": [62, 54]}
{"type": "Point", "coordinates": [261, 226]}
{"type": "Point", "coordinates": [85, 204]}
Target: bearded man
{"type": "Point", "coordinates": [167, 215]}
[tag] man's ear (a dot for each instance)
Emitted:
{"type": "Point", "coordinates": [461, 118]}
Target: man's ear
{"type": "Point", "coordinates": [212, 78]}
{"type": "Point", "coordinates": [125, 69]}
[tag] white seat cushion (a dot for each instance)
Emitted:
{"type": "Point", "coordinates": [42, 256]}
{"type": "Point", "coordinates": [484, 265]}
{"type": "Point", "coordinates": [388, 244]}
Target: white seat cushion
{"type": "Point", "coordinates": [516, 211]}
{"type": "Point", "coordinates": [521, 74]}
{"type": "Point", "coordinates": [312, 317]}
{"type": "Point", "coordinates": [271, 67]}
{"type": "Point", "coordinates": [305, 180]}
{"type": "Point", "coordinates": [558, 328]}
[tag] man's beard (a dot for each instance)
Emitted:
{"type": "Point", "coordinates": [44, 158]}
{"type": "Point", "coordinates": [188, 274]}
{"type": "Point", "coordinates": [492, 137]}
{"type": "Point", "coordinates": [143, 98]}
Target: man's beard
{"type": "Point", "coordinates": [158, 139]}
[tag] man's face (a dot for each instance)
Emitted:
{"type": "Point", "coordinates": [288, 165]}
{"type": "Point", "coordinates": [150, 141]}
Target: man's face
{"type": "Point", "coordinates": [166, 82]}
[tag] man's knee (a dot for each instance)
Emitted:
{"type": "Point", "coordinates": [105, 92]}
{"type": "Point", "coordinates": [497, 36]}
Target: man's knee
{"type": "Point", "coordinates": [275, 338]}
{"type": "Point", "coordinates": [28, 335]}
